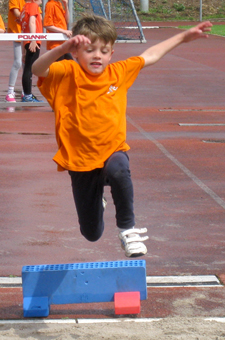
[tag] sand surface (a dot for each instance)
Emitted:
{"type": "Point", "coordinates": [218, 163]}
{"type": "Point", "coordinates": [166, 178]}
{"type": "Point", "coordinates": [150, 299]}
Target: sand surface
{"type": "Point", "coordinates": [166, 329]}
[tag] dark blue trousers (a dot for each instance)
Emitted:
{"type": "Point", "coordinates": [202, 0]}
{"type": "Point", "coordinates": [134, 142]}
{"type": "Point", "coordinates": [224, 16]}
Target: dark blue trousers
{"type": "Point", "coordinates": [88, 190]}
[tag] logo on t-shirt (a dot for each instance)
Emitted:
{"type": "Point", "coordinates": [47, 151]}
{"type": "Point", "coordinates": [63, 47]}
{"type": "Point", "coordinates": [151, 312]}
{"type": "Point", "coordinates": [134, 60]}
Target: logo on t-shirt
{"type": "Point", "coordinates": [111, 89]}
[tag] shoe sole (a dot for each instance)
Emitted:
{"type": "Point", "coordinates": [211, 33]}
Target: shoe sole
{"type": "Point", "coordinates": [136, 255]}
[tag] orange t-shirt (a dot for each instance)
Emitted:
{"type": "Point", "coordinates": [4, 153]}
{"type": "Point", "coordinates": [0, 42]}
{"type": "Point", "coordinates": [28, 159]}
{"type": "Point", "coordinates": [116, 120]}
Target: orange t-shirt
{"type": "Point", "coordinates": [54, 16]}
{"type": "Point", "coordinates": [90, 111]}
{"type": "Point", "coordinates": [2, 25]}
{"type": "Point", "coordinates": [31, 9]}
{"type": "Point", "coordinates": [13, 25]}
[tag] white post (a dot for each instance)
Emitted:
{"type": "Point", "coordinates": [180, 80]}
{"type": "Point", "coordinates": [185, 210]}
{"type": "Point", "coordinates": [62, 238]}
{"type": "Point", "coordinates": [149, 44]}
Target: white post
{"type": "Point", "coordinates": [200, 16]}
{"type": "Point", "coordinates": [43, 12]}
{"type": "Point", "coordinates": [144, 5]}
{"type": "Point", "coordinates": [70, 5]}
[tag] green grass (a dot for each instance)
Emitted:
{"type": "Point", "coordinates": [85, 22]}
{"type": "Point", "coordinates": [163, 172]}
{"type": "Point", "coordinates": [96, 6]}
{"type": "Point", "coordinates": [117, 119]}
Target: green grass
{"type": "Point", "coordinates": [161, 10]}
{"type": "Point", "coordinates": [216, 29]}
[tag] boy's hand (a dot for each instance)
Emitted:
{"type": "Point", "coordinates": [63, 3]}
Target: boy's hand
{"type": "Point", "coordinates": [198, 31]}
{"type": "Point", "coordinates": [73, 43]}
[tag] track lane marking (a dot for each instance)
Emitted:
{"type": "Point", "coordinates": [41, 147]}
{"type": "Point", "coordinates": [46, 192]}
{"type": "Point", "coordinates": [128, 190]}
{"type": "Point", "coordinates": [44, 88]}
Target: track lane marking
{"type": "Point", "coordinates": [194, 178]}
{"type": "Point", "coordinates": [152, 281]}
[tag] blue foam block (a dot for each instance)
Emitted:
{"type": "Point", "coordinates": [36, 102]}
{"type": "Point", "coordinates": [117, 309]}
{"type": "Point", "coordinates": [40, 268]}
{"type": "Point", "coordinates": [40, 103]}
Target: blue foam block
{"type": "Point", "coordinates": [80, 283]}
{"type": "Point", "coordinates": [35, 307]}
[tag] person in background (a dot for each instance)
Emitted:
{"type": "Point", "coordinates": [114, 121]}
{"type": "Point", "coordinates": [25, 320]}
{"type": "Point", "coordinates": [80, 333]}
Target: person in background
{"type": "Point", "coordinates": [15, 8]}
{"type": "Point", "coordinates": [31, 22]}
{"type": "Point", "coordinates": [2, 25]}
{"type": "Point", "coordinates": [56, 20]}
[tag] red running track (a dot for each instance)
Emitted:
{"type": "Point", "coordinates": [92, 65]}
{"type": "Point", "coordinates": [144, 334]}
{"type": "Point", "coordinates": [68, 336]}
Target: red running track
{"type": "Point", "coordinates": [177, 170]}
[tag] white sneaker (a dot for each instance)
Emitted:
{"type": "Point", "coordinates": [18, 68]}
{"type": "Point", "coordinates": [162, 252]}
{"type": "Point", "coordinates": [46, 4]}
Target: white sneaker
{"type": "Point", "coordinates": [132, 242]}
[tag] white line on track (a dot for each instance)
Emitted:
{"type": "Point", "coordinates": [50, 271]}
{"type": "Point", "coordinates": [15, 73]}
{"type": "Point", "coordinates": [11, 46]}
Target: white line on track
{"type": "Point", "coordinates": [194, 178]}
{"type": "Point", "coordinates": [192, 110]}
{"type": "Point", "coordinates": [21, 104]}
{"type": "Point", "coordinates": [10, 281]}
{"type": "Point", "coordinates": [117, 320]}
{"type": "Point", "coordinates": [37, 321]}
{"type": "Point", "coordinates": [183, 281]}
{"type": "Point", "coordinates": [94, 321]}
{"type": "Point", "coordinates": [201, 124]}
{"type": "Point", "coordinates": [152, 281]}
{"type": "Point", "coordinates": [76, 321]}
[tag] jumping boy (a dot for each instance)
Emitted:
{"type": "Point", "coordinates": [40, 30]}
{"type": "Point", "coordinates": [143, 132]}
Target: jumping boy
{"type": "Point", "coordinates": [89, 100]}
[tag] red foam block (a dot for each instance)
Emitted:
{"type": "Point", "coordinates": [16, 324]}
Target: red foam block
{"type": "Point", "coordinates": [127, 303]}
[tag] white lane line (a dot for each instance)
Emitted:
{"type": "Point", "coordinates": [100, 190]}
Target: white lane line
{"type": "Point", "coordinates": [152, 281]}
{"type": "Point", "coordinates": [94, 321]}
{"type": "Point", "coordinates": [201, 124]}
{"type": "Point", "coordinates": [21, 104]}
{"type": "Point", "coordinates": [10, 281]}
{"type": "Point", "coordinates": [194, 178]}
{"type": "Point", "coordinates": [76, 321]}
{"type": "Point", "coordinates": [183, 281]}
{"type": "Point", "coordinates": [39, 321]}
{"type": "Point", "coordinates": [83, 321]}
{"type": "Point", "coordinates": [190, 110]}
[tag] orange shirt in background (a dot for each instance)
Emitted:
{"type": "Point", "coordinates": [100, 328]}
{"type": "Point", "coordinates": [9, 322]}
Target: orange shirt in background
{"type": "Point", "coordinates": [2, 25]}
{"type": "Point", "coordinates": [31, 9]}
{"type": "Point", "coordinates": [13, 25]}
{"type": "Point", "coordinates": [90, 111]}
{"type": "Point", "coordinates": [54, 16]}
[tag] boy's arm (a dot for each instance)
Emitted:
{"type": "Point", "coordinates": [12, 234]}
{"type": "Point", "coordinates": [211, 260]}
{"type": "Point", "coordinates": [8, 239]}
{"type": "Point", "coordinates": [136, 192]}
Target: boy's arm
{"type": "Point", "coordinates": [156, 52]}
{"type": "Point", "coordinates": [41, 66]}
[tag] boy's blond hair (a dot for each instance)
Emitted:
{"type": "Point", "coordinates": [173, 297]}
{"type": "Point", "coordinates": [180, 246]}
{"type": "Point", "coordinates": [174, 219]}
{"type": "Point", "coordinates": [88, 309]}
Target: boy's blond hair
{"type": "Point", "coordinates": [95, 27]}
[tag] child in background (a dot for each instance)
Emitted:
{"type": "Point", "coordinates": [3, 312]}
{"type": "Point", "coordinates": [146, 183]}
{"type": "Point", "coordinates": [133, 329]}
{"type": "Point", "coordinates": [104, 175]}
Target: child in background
{"type": "Point", "coordinates": [56, 20]}
{"type": "Point", "coordinates": [89, 99]}
{"type": "Point", "coordinates": [15, 8]}
{"type": "Point", "coordinates": [2, 25]}
{"type": "Point", "coordinates": [31, 22]}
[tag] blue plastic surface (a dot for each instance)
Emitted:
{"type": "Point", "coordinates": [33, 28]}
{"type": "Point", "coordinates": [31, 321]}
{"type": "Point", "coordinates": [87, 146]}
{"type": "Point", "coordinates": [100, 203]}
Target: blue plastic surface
{"type": "Point", "coordinates": [35, 307]}
{"type": "Point", "coordinates": [81, 282]}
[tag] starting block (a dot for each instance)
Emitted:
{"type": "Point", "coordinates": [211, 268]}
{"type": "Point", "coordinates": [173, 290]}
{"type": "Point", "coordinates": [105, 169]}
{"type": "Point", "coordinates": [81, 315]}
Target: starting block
{"type": "Point", "coordinates": [44, 285]}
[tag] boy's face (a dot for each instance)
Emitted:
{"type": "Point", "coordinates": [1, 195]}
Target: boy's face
{"type": "Point", "coordinates": [94, 57]}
